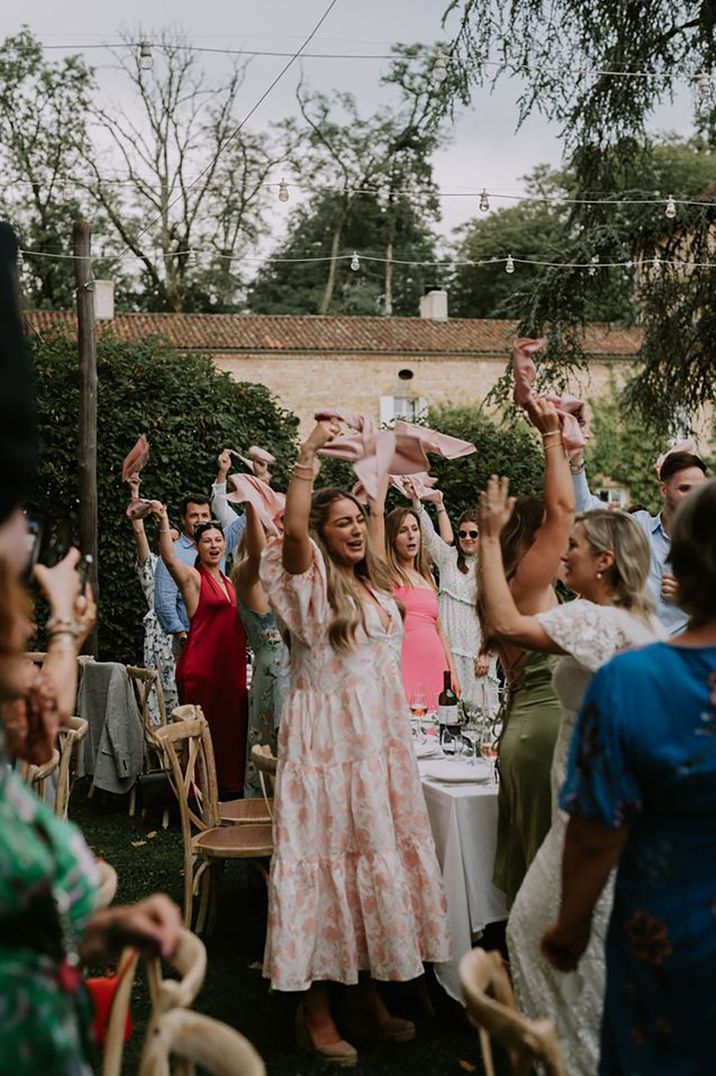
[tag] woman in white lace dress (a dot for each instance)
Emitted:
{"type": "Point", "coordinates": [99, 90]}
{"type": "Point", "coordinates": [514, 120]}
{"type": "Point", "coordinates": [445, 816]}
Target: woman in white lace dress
{"type": "Point", "coordinates": [607, 563]}
{"type": "Point", "coordinates": [457, 597]}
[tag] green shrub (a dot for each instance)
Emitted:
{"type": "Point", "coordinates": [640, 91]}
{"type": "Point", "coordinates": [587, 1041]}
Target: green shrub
{"type": "Point", "coordinates": [189, 412]}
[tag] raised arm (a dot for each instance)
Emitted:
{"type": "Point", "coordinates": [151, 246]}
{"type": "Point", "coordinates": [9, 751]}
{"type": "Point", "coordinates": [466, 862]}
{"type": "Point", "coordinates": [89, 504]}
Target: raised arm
{"type": "Point", "coordinates": [140, 536]}
{"type": "Point", "coordinates": [504, 618]}
{"type": "Point", "coordinates": [585, 499]}
{"type": "Point", "coordinates": [539, 565]}
{"type": "Point", "coordinates": [72, 616]}
{"type": "Point", "coordinates": [296, 555]}
{"type": "Point", "coordinates": [185, 577]}
{"type": "Point", "coordinates": [247, 575]}
{"type": "Point", "coordinates": [438, 548]}
{"type": "Point", "coordinates": [220, 507]}
{"type": "Point", "coordinates": [444, 525]}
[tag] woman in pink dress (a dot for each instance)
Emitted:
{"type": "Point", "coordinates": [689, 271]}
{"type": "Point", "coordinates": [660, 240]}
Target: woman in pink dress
{"type": "Point", "coordinates": [355, 892]}
{"type": "Point", "coordinates": [426, 651]}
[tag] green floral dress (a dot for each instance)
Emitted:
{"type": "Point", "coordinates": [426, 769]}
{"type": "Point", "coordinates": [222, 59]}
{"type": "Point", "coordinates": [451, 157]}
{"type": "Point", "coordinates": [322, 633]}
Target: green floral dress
{"type": "Point", "coordinates": [41, 856]}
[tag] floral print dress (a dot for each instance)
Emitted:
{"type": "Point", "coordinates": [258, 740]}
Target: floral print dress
{"type": "Point", "coordinates": [644, 755]}
{"type": "Point", "coordinates": [43, 1026]}
{"type": "Point", "coordinates": [157, 644]}
{"type": "Point", "coordinates": [355, 883]}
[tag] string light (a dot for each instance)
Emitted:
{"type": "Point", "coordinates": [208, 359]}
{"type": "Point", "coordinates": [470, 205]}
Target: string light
{"type": "Point", "coordinates": [192, 258]}
{"type": "Point", "coordinates": [484, 204]}
{"type": "Point", "coordinates": [510, 264]}
{"type": "Point", "coordinates": [593, 265]}
{"type": "Point", "coordinates": [440, 67]}
{"type": "Point", "coordinates": [355, 262]}
{"type": "Point", "coordinates": [670, 210]}
{"type": "Point", "coordinates": [145, 56]}
{"type": "Point", "coordinates": [656, 265]}
{"type": "Point", "coordinates": [283, 195]}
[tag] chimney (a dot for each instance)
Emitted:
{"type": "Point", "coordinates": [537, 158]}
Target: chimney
{"type": "Point", "coordinates": [434, 305]}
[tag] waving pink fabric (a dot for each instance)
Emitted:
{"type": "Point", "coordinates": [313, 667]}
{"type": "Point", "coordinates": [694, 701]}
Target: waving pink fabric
{"type": "Point", "coordinates": [255, 455]}
{"type": "Point", "coordinates": [139, 508]}
{"type": "Point", "coordinates": [136, 459]}
{"type": "Point", "coordinates": [572, 412]}
{"type": "Point", "coordinates": [683, 446]}
{"type": "Point", "coordinates": [424, 486]}
{"type": "Point", "coordinates": [269, 504]}
{"type": "Point", "coordinates": [377, 453]}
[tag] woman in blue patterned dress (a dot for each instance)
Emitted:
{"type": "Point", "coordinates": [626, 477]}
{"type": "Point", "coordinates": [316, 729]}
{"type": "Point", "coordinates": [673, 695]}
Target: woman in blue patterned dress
{"type": "Point", "coordinates": [641, 790]}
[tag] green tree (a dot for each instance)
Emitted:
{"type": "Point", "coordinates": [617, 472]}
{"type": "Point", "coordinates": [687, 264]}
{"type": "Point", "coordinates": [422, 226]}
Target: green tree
{"type": "Point", "coordinates": [295, 287]}
{"type": "Point", "coordinates": [43, 136]}
{"type": "Point", "coordinates": [189, 411]}
{"type": "Point", "coordinates": [600, 70]}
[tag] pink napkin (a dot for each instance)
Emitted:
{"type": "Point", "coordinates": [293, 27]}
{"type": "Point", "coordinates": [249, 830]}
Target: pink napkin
{"type": "Point", "coordinates": [269, 504]}
{"type": "Point", "coordinates": [255, 455]}
{"type": "Point", "coordinates": [139, 508]}
{"type": "Point", "coordinates": [683, 446]}
{"type": "Point", "coordinates": [423, 484]}
{"type": "Point", "coordinates": [137, 458]}
{"type": "Point", "coordinates": [573, 415]}
{"type": "Point", "coordinates": [377, 453]}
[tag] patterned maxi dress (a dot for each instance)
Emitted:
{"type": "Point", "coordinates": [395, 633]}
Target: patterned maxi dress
{"type": "Point", "coordinates": [157, 644]}
{"type": "Point", "coordinates": [355, 883]}
{"type": "Point", "coordinates": [590, 635]}
{"type": "Point", "coordinates": [644, 755]}
{"type": "Point", "coordinates": [457, 596]}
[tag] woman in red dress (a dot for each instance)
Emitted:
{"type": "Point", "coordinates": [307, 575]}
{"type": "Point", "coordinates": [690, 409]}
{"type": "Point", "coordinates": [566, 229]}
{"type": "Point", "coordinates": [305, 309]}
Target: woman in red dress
{"type": "Point", "coordinates": [211, 671]}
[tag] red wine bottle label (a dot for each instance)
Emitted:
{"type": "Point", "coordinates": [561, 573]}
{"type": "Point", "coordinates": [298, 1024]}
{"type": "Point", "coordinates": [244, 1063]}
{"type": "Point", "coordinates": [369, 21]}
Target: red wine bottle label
{"type": "Point", "coordinates": [447, 715]}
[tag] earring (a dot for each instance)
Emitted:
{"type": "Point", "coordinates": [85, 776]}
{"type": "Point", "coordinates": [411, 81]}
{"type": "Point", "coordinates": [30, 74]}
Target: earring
{"type": "Point", "coordinates": [599, 575]}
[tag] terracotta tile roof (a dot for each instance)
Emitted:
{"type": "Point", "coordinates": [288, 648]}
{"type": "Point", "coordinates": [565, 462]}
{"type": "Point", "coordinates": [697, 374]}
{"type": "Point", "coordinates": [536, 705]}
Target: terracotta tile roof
{"type": "Point", "coordinates": [288, 333]}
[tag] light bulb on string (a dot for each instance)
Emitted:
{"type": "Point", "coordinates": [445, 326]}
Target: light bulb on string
{"type": "Point", "coordinates": [355, 262]}
{"type": "Point", "coordinates": [594, 262]}
{"type": "Point", "coordinates": [283, 195]}
{"type": "Point", "coordinates": [145, 56]}
{"type": "Point", "coordinates": [192, 259]}
{"type": "Point", "coordinates": [484, 203]}
{"type": "Point", "coordinates": [656, 265]}
{"type": "Point", "coordinates": [440, 67]}
{"type": "Point", "coordinates": [510, 264]}
{"type": "Point", "coordinates": [670, 209]}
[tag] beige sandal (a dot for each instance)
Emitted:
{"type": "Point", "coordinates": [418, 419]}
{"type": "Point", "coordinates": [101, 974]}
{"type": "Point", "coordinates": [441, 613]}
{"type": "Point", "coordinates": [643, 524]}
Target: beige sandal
{"type": "Point", "coordinates": [339, 1053]}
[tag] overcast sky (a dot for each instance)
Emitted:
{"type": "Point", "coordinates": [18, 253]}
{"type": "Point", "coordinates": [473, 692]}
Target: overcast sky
{"type": "Point", "coordinates": [486, 149]}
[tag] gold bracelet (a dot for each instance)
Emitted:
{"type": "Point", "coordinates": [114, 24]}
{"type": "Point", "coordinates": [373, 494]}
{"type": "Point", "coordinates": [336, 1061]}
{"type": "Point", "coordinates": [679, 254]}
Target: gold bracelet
{"type": "Point", "coordinates": [303, 467]}
{"type": "Point", "coordinates": [552, 433]}
{"type": "Point", "coordinates": [553, 444]}
{"type": "Point", "coordinates": [303, 477]}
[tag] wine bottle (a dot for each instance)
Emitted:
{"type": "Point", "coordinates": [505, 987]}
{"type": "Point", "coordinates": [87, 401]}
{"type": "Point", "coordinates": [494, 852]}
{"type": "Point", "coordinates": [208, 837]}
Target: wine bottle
{"type": "Point", "coordinates": [448, 716]}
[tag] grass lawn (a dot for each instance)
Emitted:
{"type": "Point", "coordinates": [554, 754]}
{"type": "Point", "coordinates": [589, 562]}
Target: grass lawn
{"type": "Point", "coordinates": [234, 990]}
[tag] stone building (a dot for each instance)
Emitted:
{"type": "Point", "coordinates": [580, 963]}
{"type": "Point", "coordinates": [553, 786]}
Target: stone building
{"type": "Point", "coordinates": [383, 367]}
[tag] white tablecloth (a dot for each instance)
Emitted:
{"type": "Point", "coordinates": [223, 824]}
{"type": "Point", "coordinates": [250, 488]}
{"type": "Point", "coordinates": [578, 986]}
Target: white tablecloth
{"type": "Point", "coordinates": [463, 818]}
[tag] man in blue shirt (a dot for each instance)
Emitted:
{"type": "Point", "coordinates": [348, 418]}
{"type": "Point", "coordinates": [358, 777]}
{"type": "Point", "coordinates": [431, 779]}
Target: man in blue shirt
{"type": "Point", "coordinates": [680, 473]}
{"type": "Point", "coordinates": [170, 609]}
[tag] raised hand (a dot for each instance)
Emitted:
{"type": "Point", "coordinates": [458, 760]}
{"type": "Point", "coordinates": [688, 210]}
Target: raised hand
{"type": "Point", "coordinates": [496, 507]}
{"type": "Point", "coordinates": [60, 584]}
{"type": "Point", "coordinates": [542, 414]}
{"type": "Point", "coordinates": [224, 463]}
{"type": "Point", "coordinates": [324, 431]}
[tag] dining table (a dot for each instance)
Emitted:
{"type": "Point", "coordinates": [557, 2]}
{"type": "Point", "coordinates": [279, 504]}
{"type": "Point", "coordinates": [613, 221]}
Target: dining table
{"type": "Point", "coordinates": [461, 798]}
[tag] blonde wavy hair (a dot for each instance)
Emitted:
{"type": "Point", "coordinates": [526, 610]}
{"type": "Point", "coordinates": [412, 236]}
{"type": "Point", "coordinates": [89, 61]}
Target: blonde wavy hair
{"type": "Point", "coordinates": [423, 565]}
{"type": "Point", "coordinates": [618, 533]}
{"type": "Point", "coordinates": [348, 614]}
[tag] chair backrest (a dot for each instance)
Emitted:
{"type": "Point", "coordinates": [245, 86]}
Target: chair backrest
{"type": "Point", "coordinates": [189, 760]}
{"type": "Point", "coordinates": [265, 762]}
{"type": "Point", "coordinates": [107, 884]}
{"type": "Point", "coordinates": [199, 1039]}
{"type": "Point", "coordinates": [69, 738]}
{"type": "Point", "coordinates": [114, 1039]}
{"type": "Point", "coordinates": [35, 776]}
{"type": "Point", "coordinates": [144, 682]}
{"type": "Point", "coordinates": [186, 712]}
{"type": "Point", "coordinates": [491, 1008]}
{"type": "Point", "coordinates": [189, 961]}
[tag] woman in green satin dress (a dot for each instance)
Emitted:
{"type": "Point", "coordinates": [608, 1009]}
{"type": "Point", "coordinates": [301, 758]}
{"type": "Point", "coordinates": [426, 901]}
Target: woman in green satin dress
{"type": "Point", "coordinates": [532, 545]}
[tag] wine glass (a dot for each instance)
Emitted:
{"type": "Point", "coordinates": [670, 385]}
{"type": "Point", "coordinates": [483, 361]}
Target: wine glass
{"type": "Point", "coordinates": [488, 745]}
{"type": "Point", "coordinates": [471, 730]}
{"type": "Point", "coordinates": [418, 706]}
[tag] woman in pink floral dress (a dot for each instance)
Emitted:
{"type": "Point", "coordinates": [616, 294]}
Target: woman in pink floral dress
{"type": "Point", "coordinates": [355, 892]}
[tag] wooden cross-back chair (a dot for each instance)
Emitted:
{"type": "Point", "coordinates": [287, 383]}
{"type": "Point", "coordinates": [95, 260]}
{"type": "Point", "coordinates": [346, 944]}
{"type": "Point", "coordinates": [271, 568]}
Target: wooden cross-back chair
{"type": "Point", "coordinates": [189, 760]}
{"type": "Point", "coordinates": [189, 961]}
{"type": "Point", "coordinates": [69, 738]}
{"type": "Point", "coordinates": [35, 776]}
{"type": "Point", "coordinates": [107, 884]}
{"type": "Point", "coordinates": [491, 1008]}
{"type": "Point", "coordinates": [113, 1049]}
{"type": "Point", "coordinates": [145, 682]}
{"type": "Point", "coordinates": [199, 1040]}
{"type": "Point", "coordinates": [235, 812]}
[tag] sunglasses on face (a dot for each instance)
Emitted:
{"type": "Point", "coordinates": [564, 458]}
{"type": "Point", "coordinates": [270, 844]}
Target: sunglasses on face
{"type": "Point", "coordinates": [467, 534]}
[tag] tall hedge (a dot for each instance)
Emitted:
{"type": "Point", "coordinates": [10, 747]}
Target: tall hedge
{"type": "Point", "coordinates": [189, 412]}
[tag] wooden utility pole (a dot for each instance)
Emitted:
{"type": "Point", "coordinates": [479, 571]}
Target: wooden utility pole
{"type": "Point", "coordinates": [86, 343]}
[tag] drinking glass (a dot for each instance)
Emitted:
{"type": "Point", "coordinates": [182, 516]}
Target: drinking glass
{"type": "Point", "coordinates": [418, 707]}
{"type": "Point", "coordinates": [488, 746]}
{"type": "Point", "coordinates": [471, 731]}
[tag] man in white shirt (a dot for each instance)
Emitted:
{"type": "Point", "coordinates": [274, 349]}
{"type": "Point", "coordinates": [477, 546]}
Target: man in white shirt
{"type": "Point", "coordinates": [679, 474]}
